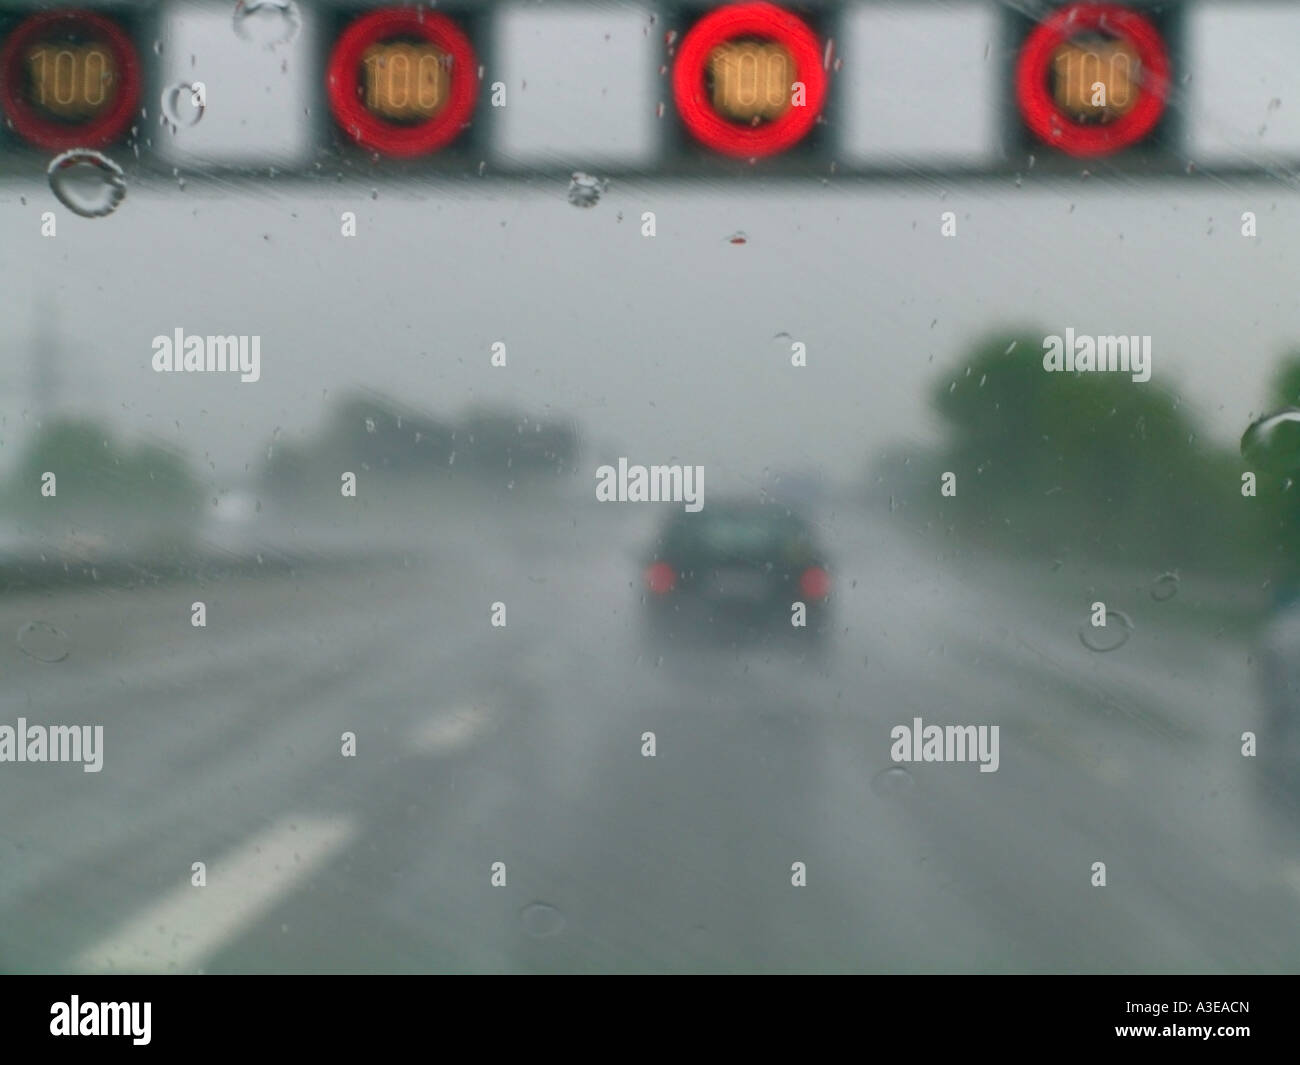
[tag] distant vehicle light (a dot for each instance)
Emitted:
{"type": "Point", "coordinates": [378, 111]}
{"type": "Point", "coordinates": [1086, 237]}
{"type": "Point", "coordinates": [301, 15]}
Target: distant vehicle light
{"type": "Point", "coordinates": [1093, 79]}
{"type": "Point", "coordinates": [235, 507]}
{"type": "Point", "coordinates": [749, 80]}
{"type": "Point", "coordinates": [403, 81]}
{"type": "Point", "coordinates": [815, 583]}
{"type": "Point", "coordinates": [660, 578]}
{"type": "Point", "coordinates": [69, 79]}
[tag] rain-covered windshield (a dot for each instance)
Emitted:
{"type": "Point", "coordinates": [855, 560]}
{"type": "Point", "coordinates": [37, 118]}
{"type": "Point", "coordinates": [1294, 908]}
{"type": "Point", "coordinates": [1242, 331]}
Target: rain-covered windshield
{"type": "Point", "coordinates": [362, 361]}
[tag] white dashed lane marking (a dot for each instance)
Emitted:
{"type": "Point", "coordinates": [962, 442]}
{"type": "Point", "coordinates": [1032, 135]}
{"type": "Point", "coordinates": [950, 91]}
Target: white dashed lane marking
{"type": "Point", "coordinates": [450, 729]}
{"type": "Point", "coordinates": [189, 924]}
{"type": "Point", "coordinates": [1291, 876]}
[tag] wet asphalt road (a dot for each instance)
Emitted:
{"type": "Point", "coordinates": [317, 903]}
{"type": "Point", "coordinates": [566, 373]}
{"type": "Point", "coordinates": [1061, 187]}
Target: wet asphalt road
{"type": "Point", "coordinates": [523, 745]}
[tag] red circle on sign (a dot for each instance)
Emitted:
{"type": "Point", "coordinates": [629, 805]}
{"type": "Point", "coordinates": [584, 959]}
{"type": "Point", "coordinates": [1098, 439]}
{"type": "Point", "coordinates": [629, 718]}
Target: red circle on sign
{"type": "Point", "coordinates": [389, 138]}
{"type": "Point", "coordinates": [44, 132]}
{"type": "Point", "coordinates": [766, 21]}
{"type": "Point", "coordinates": [1051, 124]}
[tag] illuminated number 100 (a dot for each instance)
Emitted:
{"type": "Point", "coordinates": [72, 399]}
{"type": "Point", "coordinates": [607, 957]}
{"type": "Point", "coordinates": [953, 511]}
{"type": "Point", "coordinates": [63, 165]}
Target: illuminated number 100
{"type": "Point", "coordinates": [389, 75]}
{"type": "Point", "coordinates": [1078, 70]}
{"type": "Point", "coordinates": [750, 80]}
{"type": "Point", "coordinates": [57, 80]}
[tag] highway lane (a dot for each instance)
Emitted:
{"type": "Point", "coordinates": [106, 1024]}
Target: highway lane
{"type": "Point", "coordinates": [523, 745]}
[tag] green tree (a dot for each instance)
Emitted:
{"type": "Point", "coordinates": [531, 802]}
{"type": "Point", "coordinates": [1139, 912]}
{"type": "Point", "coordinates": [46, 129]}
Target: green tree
{"type": "Point", "coordinates": [1089, 462]}
{"type": "Point", "coordinates": [145, 492]}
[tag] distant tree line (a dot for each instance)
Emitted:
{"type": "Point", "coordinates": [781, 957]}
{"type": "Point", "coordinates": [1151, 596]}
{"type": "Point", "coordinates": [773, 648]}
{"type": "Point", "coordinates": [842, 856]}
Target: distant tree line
{"type": "Point", "coordinates": [1096, 465]}
{"type": "Point", "coordinates": [366, 432]}
{"type": "Point", "coordinates": [75, 474]}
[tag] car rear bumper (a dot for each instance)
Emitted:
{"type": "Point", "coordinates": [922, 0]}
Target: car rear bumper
{"type": "Point", "coordinates": [688, 617]}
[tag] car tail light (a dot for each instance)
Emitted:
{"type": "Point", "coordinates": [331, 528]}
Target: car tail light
{"type": "Point", "coordinates": [815, 583]}
{"type": "Point", "coordinates": [660, 578]}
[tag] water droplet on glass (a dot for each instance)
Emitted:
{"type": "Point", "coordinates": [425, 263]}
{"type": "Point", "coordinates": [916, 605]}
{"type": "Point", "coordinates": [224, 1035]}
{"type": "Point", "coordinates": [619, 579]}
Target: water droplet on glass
{"type": "Point", "coordinates": [1273, 442]}
{"type": "Point", "coordinates": [182, 106]}
{"type": "Point", "coordinates": [893, 782]}
{"type": "Point", "coordinates": [585, 190]}
{"type": "Point", "coordinates": [86, 182]}
{"type": "Point", "coordinates": [1109, 637]}
{"type": "Point", "coordinates": [268, 23]}
{"type": "Point", "coordinates": [43, 642]}
{"type": "Point", "coordinates": [541, 920]}
{"type": "Point", "coordinates": [1164, 587]}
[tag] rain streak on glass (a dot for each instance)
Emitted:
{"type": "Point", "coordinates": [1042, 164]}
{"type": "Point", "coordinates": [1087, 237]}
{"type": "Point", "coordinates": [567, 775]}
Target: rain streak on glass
{"type": "Point", "coordinates": [87, 182]}
{"type": "Point", "coordinates": [541, 920]}
{"type": "Point", "coordinates": [1272, 443]}
{"type": "Point", "coordinates": [1109, 637]}
{"type": "Point", "coordinates": [893, 782]}
{"type": "Point", "coordinates": [182, 106]}
{"type": "Point", "coordinates": [43, 642]}
{"type": "Point", "coordinates": [267, 22]}
{"type": "Point", "coordinates": [1164, 587]}
{"type": "Point", "coordinates": [585, 190]}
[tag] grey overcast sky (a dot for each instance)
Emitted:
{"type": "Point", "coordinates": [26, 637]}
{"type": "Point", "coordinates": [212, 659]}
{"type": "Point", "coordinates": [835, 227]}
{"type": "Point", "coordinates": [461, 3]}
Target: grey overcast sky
{"type": "Point", "coordinates": [662, 347]}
